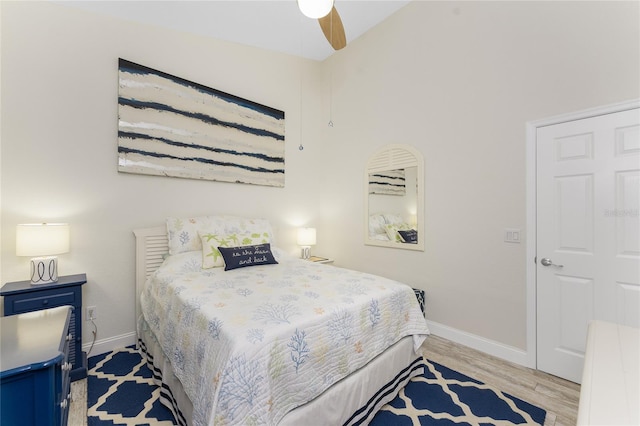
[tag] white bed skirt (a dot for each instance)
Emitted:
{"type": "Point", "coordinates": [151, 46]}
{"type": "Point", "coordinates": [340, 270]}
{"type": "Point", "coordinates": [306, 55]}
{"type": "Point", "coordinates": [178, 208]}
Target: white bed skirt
{"type": "Point", "coordinates": [352, 401]}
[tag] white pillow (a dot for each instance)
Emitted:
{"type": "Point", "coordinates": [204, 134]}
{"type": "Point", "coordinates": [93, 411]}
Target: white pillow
{"type": "Point", "coordinates": [393, 218]}
{"type": "Point", "coordinates": [183, 232]}
{"type": "Point", "coordinates": [376, 224]}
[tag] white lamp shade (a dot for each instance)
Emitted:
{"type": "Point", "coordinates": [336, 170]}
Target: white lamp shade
{"type": "Point", "coordinates": [307, 236]}
{"type": "Point", "coordinates": [42, 239]}
{"type": "Point", "coordinates": [315, 8]}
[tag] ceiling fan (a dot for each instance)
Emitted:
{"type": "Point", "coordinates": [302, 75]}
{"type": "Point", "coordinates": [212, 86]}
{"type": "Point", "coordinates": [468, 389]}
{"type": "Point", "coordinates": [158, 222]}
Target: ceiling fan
{"type": "Point", "coordinates": [328, 18]}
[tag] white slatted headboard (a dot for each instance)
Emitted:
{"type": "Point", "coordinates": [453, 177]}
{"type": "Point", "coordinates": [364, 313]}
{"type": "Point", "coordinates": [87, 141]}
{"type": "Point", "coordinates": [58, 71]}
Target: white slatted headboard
{"type": "Point", "coordinates": [151, 247]}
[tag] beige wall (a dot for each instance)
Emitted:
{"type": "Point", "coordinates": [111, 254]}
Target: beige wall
{"type": "Point", "coordinates": [59, 143]}
{"type": "Point", "coordinates": [457, 80]}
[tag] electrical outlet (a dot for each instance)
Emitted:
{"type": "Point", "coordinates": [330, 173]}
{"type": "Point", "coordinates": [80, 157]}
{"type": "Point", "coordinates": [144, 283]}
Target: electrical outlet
{"type": "Point", "coordinates": [91, 313]}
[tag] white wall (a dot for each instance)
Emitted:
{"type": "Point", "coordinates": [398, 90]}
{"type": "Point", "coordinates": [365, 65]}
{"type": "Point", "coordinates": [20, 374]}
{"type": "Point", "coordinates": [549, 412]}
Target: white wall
{"type": "Point", "coordinates": [59, 144]}
{"type": "Point", "coordinates": [456, 80]}
{"type": "Point", "coordinates": [459, 81]}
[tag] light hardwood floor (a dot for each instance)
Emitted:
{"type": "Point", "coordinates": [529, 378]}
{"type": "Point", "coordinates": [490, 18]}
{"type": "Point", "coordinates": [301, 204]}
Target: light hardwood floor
{"type": "Point", "coordinates": [78, 407]}
{"type": "Point", "coordinates": [557, 396]}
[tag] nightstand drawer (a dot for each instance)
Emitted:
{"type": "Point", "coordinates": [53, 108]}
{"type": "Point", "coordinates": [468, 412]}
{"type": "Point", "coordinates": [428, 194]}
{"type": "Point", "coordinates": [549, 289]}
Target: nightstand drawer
{"type": "Point", "coordinates": [43, 300]}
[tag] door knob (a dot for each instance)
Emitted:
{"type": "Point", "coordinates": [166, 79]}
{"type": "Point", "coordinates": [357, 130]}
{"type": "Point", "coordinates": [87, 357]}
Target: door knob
{"type": "Point", "coordinates": [547, 262]}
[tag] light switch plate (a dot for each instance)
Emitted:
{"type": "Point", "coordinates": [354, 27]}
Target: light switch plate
{"type": "Point", "coordinates": [512, 235]}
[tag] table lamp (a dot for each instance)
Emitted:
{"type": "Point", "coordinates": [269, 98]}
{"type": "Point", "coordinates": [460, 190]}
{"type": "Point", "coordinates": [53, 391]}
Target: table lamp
{"type": "Point", "coordinates": [43, 241]}
{"type": "Point", "coordinates": [306, 239]}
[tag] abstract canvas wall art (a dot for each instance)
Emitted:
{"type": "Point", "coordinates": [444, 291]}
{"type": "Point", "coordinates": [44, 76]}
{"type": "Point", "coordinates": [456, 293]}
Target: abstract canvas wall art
{"type": "Point", "coordinates": [388, 182]}
{"type": "Point", "coordinates": [169, 126]}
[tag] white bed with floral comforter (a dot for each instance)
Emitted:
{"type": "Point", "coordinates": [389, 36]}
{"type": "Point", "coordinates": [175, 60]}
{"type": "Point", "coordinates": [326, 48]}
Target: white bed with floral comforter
{"type": "Point", "coordinates": [251, 344]}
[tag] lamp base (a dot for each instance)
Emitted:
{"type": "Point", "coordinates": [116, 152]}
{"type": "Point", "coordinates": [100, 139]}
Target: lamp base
{"type": "Point", "coordinates": [305, 252]}
{"type": "Point", "coordinates": [44, 270]}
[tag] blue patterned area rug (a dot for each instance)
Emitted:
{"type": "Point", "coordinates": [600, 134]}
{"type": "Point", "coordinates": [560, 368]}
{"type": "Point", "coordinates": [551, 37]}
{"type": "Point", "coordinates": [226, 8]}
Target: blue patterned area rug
{"type": "Point", "coordinates": [442, 396]}
{"type": "Point", "coordinates": [121, 392]}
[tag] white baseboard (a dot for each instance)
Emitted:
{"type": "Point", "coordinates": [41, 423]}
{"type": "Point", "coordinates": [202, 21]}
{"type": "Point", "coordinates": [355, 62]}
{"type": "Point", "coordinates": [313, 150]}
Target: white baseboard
{"type": "Point", "coordinates": [107, 345]}
{"type": "Point", "coordinates": [500, 350]}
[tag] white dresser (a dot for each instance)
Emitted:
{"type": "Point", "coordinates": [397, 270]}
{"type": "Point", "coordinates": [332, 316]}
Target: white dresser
{"type": "Point", "coordinates": [610, 390]}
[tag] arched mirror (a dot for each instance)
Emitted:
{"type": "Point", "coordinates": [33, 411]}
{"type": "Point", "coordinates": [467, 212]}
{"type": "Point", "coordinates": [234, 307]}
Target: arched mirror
{"type": "Point", "coordinates": [394, 202]}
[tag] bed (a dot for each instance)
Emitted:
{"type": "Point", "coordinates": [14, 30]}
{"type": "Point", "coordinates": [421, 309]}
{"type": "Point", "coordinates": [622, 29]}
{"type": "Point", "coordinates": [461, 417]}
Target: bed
{"type": "Point", "coordinates": [286, 342]}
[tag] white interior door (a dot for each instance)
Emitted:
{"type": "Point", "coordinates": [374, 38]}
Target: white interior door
{"type": "Point", "coordinates": [588, 234]}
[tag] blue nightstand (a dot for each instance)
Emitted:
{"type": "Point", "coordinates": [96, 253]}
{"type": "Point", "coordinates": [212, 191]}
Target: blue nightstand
{"type": "Point", "coordinates": [22, 296]}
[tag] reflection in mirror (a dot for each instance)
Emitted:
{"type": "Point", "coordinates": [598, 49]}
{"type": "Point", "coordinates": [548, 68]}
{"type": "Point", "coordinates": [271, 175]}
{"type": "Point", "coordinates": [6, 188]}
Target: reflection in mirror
{"type": "Point", "coordinates": [393, 198]}
{"type": "Point", "coordinates": [392, 204]}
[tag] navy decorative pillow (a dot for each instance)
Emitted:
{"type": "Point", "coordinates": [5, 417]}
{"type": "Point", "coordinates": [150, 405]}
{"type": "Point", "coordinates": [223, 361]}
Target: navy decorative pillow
{"type": "Point", "coordinates": [240, 257]}
{"type": "Point", "coordinates": [410, 236]}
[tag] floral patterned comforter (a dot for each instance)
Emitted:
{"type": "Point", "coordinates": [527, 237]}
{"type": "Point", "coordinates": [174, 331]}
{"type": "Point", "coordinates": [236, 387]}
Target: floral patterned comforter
{"type": "Point", "coordinates": [251, 344]}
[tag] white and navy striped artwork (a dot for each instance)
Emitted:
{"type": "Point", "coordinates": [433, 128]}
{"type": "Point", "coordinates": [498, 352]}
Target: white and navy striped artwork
{"type": "Point", "coordinates": [169, 126]}
{"type": "Point", "coordinates": [387, 182]}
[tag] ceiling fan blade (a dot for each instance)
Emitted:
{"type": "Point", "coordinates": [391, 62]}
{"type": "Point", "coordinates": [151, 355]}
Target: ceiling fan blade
{"type": "Point", "coordinates": [333, 29]}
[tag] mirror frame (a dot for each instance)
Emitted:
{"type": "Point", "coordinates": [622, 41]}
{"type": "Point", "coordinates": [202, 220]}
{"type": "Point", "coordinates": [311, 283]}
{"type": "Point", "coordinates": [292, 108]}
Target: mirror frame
{"type": "Point", "coordinates": [392, 157]}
